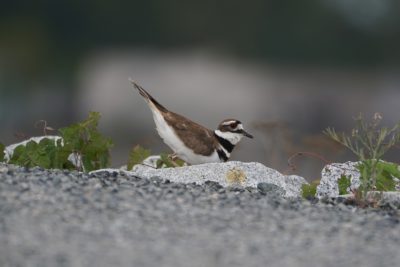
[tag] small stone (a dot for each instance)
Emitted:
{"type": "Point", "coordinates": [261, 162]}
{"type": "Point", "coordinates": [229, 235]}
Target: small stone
{"type": "Point", "coordinates": [213, 185]}
{"type": "Point", "coordinates": [24, 187]}
{"type": "Point", "coordinates": [3, 169]}
{"type": "Point", "coordinates": [267, 188]}
{"type": "Point", "coordinates": [57, 180]}
{"type": "Point", "coordinates": [156, 179]}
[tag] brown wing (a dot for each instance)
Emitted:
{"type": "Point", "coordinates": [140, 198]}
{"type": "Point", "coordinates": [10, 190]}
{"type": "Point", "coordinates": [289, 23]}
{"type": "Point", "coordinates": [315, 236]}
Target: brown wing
{"type": "Point", "coordinates": [192, 134]}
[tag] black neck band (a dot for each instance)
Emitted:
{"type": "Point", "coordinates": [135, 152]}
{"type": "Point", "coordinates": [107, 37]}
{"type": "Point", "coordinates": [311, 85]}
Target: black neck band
{"type": "Point", "coordinates": [221, 154]}
{"type": "Point", "coordinates": [225, 143]}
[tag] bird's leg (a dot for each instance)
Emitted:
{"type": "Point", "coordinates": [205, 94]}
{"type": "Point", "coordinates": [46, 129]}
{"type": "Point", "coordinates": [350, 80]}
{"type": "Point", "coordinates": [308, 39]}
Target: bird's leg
{"type": "Point", "coordinates": [173, 157]}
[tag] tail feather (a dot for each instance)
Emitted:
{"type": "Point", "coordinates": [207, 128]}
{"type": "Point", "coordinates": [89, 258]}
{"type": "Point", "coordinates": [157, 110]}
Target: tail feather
{"type": "Point", "coordinates": [147, 96]}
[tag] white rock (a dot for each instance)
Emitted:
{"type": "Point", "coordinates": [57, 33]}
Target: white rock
{"type": "Point", "coordinates": [330, 175]}
{"type": "Point", "coordinates": [246, 174]}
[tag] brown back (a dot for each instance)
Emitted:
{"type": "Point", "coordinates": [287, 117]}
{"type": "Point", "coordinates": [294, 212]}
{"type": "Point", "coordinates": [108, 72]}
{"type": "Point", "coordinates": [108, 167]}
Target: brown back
{"type": "Point", "coordinates": [192, 134]}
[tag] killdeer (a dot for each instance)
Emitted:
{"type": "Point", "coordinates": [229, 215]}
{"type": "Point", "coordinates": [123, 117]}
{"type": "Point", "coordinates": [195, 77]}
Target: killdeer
{"type": "Point", "coordinates": [193, 143]}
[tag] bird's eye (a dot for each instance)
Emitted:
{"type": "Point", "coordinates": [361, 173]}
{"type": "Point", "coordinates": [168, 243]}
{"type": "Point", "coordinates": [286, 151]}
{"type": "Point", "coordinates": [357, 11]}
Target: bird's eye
{"type": "Point", "coordinates": [234, 125]}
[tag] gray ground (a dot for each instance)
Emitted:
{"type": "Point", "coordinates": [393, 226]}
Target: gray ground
{"type": "Point", "coordinates": [57, 218]}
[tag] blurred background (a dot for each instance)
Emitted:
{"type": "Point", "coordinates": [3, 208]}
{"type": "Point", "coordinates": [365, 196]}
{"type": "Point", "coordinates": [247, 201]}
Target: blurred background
{"type": "Point", "coordinates": [286, 69]}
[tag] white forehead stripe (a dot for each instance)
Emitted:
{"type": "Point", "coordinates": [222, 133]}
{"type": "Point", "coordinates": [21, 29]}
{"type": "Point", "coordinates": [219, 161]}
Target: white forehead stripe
{"type": "Point", "coordinates": [228, 122]}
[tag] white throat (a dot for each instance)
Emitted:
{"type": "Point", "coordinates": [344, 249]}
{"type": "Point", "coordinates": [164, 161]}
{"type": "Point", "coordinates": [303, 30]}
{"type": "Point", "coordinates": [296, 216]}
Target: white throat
{"type": "Point", "coordinates": [233, 138]}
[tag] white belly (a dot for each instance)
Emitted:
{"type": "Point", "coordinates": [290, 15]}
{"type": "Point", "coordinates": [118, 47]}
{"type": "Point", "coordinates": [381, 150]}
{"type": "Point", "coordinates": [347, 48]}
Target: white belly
{"type": "Point", "coordinates": [172, 140]}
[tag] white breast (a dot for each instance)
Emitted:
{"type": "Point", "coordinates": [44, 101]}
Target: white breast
{"type": "Point", "coordinates": [180, 149]}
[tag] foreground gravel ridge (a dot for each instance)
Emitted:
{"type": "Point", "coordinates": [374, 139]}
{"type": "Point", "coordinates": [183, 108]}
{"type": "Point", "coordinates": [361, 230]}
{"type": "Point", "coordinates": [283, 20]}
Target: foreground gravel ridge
{"type": "Point", "coordinates": [61, 218]}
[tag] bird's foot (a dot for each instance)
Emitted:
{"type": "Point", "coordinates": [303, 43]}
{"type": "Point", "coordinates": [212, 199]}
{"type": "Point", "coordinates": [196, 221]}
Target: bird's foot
{"type": "Point", "coordinates": [175, 160]}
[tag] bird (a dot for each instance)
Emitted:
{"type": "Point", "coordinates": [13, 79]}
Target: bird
{"type": "Point", "coordinates": [190, 141]}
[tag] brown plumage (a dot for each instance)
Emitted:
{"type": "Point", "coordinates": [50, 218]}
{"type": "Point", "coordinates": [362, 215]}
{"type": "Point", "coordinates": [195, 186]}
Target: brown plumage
{"type": "Point", "coordinates": [191, 133]}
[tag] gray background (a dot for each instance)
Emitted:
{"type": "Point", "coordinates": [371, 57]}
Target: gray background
{"type": "Point", "coordinates": [286, 69]}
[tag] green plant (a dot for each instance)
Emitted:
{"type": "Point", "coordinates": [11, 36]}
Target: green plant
{"type": "Point", "coordinates": [48, 153]}
{"type": "Point", "coordinates": [136, 156]}
{"type": "Point", "coordinates": [2, 147]}
{"type": "Point", "coordinates": [385, 172]}
{"type": "Point", "coordinates": [369, 142]}
{"type": "Point", "coordinates": [87, 146]}
{"type": "Point", "coordinates": [309, 190]}
{"type": "Point", "coordinates": [165, 161]}
{"type": "Point", "coordinates": [343, 183]}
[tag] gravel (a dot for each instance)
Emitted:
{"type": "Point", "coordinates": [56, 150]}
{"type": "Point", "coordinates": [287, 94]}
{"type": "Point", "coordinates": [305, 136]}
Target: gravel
{"type": "Point", "coordinates": [62, 218]}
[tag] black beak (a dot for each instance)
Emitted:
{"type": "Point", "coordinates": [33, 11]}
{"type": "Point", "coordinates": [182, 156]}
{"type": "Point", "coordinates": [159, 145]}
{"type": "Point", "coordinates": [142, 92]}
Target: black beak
{"type": "Point", "coordinates": [247, 134]}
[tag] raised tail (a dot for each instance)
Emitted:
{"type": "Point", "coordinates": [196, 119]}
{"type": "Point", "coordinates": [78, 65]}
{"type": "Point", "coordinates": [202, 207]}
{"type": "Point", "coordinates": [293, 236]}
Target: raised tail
{"type": "Point", "coordinates": [147, 96]}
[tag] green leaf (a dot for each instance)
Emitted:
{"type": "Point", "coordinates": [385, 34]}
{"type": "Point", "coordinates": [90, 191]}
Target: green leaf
{"type": "Point", "coordinates": [35, 154]}
{"type": "Point", "coordinates": [88, 165]}
{"type": "Point", "coordinates": [2, 147]}
{"type": "Point", "coordinates": [136, 156]}
{"type": "Point", "coordinates": [344, 183]}
{"type": "Point", "coordinates": [70, 136]}
{"type": "Point", "coordinates": [385, 173]}
{"type": "Point", "coordinates": [385, 182]}
{"type": "Point", "coordinates": [392, 168]}
{"type": "Point", "coordinates": [17, 154]}
{"type": "Point", "coordinates": [23, 154]}
{"type": "Point", "coordinates": [309, 190]}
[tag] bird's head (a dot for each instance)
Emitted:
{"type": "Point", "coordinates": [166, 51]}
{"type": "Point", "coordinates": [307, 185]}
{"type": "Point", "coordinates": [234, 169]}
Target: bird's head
{"type": "Point", "coordinates": [232, 130]}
